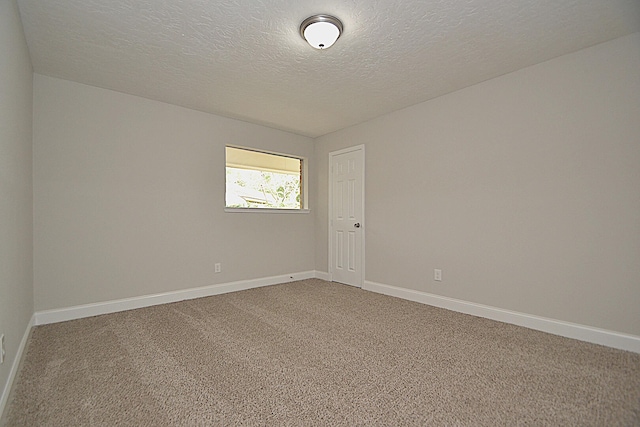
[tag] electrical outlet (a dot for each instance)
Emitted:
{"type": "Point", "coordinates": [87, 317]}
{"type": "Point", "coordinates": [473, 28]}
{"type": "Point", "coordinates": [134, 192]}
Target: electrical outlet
{"type": "Point", "coordinates": [437, 275]}
{"type": "Point", "coordinates": [218, 267]}
{"type": "Point", "coordinates": [2, 352]}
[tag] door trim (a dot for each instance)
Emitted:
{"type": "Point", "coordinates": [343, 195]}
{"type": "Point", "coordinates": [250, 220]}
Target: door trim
{"type": "Point", "coordinates": [330, 211]}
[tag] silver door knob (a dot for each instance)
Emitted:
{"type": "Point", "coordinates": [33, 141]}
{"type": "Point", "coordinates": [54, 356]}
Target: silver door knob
{"type": "Point", "coordinates": [356, 225]}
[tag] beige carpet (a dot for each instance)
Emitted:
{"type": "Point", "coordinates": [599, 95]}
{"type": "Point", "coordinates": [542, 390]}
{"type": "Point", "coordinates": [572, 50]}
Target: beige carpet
{"type": "Point", "coordinates": [316, 353]}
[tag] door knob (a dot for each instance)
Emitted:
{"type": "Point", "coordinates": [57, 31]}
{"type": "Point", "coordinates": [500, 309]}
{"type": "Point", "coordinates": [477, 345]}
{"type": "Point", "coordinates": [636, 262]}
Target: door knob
{"type": "Point", "coordinates": [356, 225]}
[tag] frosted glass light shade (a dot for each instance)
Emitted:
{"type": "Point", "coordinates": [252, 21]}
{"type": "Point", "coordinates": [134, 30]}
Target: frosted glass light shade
{"type": "Point", "coordinates": [321, 31]}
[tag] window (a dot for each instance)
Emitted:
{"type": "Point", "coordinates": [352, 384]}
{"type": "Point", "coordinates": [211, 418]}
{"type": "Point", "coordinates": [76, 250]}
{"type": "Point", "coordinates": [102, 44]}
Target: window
{"type": "Point", "coordinates": [259, 180]}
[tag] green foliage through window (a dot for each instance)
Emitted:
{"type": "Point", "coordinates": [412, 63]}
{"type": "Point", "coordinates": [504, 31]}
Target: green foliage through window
{"type": "Point", "coordinates": [262, 180]}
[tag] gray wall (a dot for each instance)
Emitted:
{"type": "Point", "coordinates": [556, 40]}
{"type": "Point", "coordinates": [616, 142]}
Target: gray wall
{"type": "Point", "coordinates": [524, 190]}
{"type": "Point", "coordinates": [129, 199]}
{"type": "Point", "coordinates": [16, 218]}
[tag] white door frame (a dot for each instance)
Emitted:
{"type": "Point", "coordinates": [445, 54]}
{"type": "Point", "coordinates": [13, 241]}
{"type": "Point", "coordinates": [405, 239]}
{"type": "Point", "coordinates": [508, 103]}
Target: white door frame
{"type": "Point", "coordinates": [363, 226]}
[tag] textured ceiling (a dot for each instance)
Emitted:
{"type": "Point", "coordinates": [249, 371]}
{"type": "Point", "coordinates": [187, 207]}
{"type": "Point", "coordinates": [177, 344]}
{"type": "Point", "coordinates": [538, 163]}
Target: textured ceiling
{"type": "Point", "coordinates": [245, 58]}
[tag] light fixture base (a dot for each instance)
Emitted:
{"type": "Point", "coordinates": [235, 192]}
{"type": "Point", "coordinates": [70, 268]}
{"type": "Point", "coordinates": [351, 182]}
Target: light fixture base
{"type": "Point", "coordinates": [321, 31]}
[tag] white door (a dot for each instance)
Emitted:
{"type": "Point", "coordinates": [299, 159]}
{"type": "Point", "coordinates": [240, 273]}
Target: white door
{"type": "Point", "coordinates": [346, 216]}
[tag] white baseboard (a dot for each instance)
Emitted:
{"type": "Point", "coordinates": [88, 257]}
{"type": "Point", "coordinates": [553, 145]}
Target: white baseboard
{"type": "Point", "coordinates": [14, 367]}
{"type": "Point", "coordinates": [323, 275]}
{"type": "Point", "coordinates": [557, 327]}
{"type": "Point", "coordinates": [88, 310]}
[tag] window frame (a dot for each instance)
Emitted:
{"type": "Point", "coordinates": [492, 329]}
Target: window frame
{"type": "Point", "coordinates": [304, 185]}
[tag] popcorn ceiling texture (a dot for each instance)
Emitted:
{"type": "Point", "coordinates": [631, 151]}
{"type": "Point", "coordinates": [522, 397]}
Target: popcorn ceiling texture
{"type": "Point", "coordinates": [246, 59]}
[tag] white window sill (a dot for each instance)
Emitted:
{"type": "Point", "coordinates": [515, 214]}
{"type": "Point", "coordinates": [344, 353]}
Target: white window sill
{"type": "Point", "coordinates": [266, 210]}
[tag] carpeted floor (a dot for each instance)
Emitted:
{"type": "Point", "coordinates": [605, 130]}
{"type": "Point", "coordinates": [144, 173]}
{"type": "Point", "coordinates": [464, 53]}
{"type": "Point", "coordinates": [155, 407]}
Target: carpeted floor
{"type": "Point", "coordinates": [316, 353]}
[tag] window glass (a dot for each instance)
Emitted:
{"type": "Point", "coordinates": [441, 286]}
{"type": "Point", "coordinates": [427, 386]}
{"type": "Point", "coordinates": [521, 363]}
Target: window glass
{"type": "Point", "coordinates": [262, 180]}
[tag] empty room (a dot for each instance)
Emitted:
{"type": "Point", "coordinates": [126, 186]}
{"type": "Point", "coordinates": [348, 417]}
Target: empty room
{"type": "Point", "coordinates": [390, 212]}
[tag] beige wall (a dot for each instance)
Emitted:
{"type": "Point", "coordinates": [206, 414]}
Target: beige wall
{"type": "Point", "coordinates": [524, 190]}
{"type": "Point", "coordinates": [129, 199]}
{"type": "Point", "coordinates": [16, 220]}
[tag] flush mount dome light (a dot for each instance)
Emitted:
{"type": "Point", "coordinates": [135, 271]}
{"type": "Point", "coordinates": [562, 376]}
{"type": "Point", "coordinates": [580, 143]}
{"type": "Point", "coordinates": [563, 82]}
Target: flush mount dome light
{"type": "Point", "coordinates": [321, 31]}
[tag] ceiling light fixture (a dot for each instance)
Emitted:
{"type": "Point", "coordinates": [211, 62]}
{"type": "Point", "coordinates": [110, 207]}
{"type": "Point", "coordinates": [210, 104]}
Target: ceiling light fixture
{"type": "Point", "coordinates": [321, 31]}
